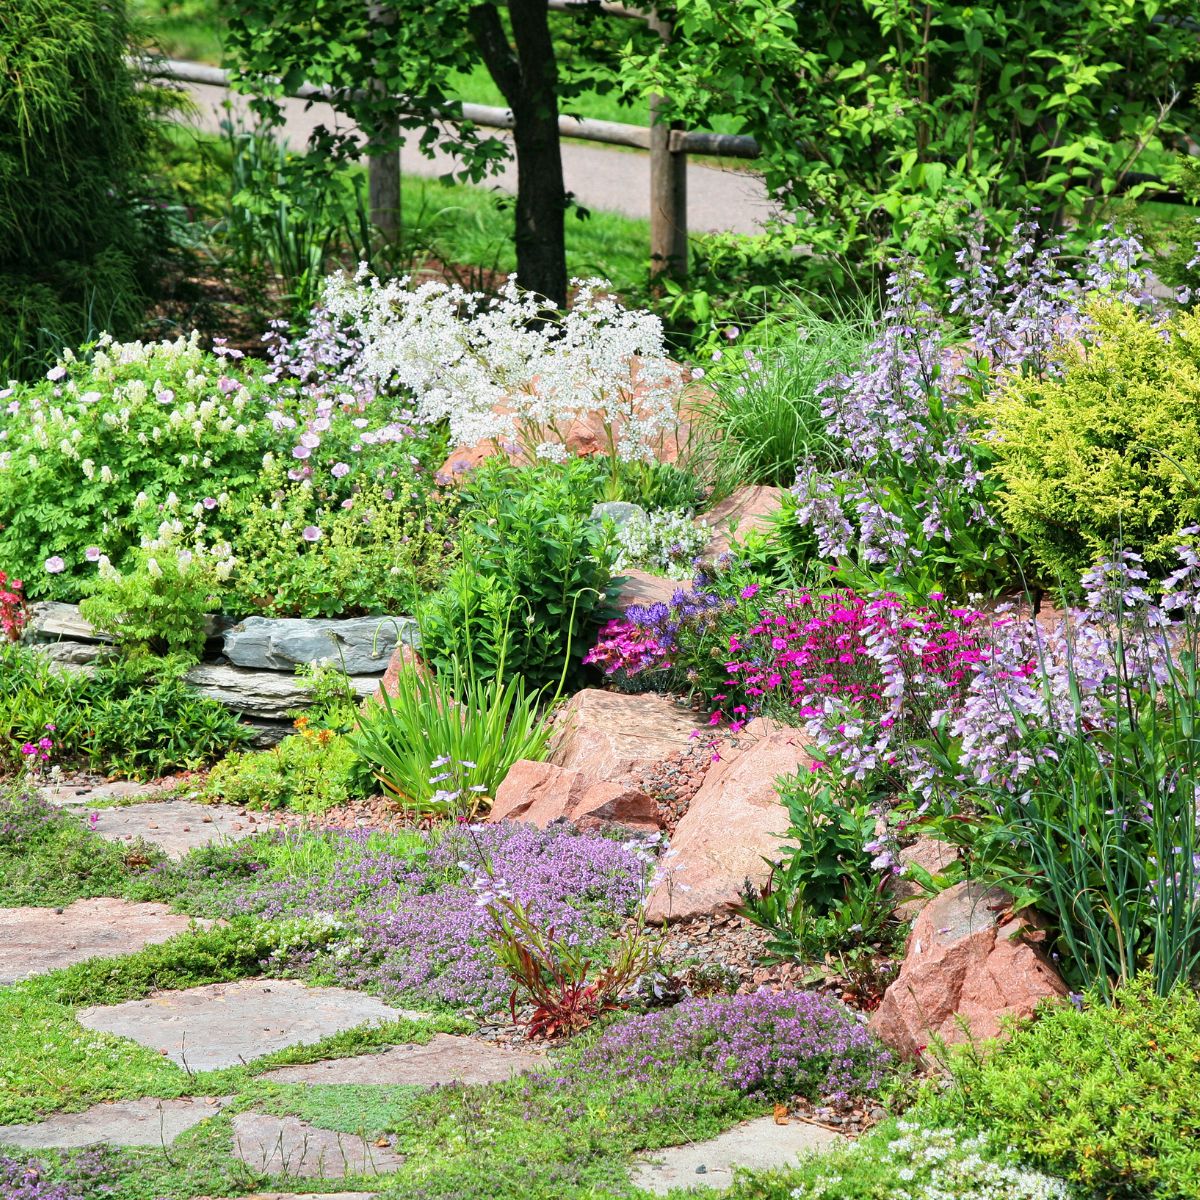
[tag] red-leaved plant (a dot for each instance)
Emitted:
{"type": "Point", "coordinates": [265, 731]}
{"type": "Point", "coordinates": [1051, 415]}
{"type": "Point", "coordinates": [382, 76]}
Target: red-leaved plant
{"type": "Point", "coordinates": [552, 973]}
{"type": "Point", "coordinates": [13, 613]}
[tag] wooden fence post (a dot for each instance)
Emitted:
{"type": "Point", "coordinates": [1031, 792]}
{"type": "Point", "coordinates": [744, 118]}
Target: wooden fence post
{"type": "Point", "coordinates": [383, 167]}
{"type": "Point", "coordinates": [668, 186]}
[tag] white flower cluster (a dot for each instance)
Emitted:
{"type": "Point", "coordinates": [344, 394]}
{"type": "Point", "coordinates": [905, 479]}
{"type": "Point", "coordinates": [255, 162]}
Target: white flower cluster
{"type": "Point", "coordinates": [663, 541]}
{"type": "Point", "coordinates": [502, 369]}
{"type": "Point", "coordinates": [942, 1164]}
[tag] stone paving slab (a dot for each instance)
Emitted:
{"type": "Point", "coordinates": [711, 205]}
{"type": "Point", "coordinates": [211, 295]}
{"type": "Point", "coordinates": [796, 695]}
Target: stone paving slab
{"type": "Point", "coordinates": [223, 1024]}
{"type": "Point", "coordinates": [759, 1145]}
{"type": "Point", "coordinates": [289, 1146]}
{"type": "Point", "coordinates": [84, 795]}
{"type": "Point", "coordinates": [34, 940]}
{"type": "Point", "coordinates": [445, 1059]}
{"type": "Point", "coordinates": [123, 1123]}
{"type": "Point", "coordinates": [177, 826]}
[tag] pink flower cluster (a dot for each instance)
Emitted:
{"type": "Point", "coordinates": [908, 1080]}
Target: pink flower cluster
{"type": "Point", "coordinates": [12, 607]}
{"type": "Point", "coordinates": [867, 674]}
{"type": "Point", "coordinates": [39, 751]}
{"type": "Point", "coordinates": [626, 646]}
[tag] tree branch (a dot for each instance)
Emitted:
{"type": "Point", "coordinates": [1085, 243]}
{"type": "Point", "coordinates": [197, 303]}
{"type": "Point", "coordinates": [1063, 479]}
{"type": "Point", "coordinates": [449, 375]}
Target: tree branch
{"type": "Point", "coordinates": [487, 32]}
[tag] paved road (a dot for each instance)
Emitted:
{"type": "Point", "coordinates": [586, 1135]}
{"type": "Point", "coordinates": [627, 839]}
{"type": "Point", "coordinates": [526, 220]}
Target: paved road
{"type": "Point", "coordinates": [615, 180]}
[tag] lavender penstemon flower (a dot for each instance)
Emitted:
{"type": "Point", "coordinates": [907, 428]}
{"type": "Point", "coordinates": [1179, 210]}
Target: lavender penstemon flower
{"type": "Point", "coordinates": [911, 495]}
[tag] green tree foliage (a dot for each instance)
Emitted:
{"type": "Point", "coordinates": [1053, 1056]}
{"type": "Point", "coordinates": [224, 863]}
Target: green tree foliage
{"type": "Point", "coordinates": [76, 242]}
{"type": "Point", "coordinates": [892, 125]}
{"type": "Point", "coordinates": [393, 63]}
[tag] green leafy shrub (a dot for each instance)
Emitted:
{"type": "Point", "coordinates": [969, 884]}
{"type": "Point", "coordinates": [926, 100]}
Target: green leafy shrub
{"type": "Point", "coordinates": [98, 456]}
{"type": "Point", "coordinates": [118, 720]}
{"type": "Point", "coordinates": [308, 553]}
{"type": "Point", "coordinates": [310, 771]}
{"type": "Point", "coordinates": [78, 238]}
{"type": "Point", "coordinates": [1104, 1095]}
{"type": "Point", "coordinates": [159, 606]}
{"type": "Point", "coordinates": [535, 583]}
{"type": "Point", "coordinates": [1107, 450]}
{"type": "Point", "coordinates": [828, 892]}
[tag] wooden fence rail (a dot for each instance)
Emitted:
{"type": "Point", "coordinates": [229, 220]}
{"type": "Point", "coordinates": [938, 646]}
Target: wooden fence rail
{"type": "Point", "coordinates": [668, 147]}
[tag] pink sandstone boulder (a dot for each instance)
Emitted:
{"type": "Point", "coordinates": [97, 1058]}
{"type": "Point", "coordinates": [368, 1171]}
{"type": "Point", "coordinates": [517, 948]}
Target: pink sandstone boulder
{"type": "Point", "coordinates": [733, 824]}
{"type": "Point", "coordinates": [640, 587]}
{"type": "Point", "coordinates": [746, 510]}
{"type": "Point", "coordinates": [967, 963]}
{"type": "Point", "coordinates": [404, 658]}
{"type": "Point", "coordinates": [540, 792]}
{"type": "Point", "coordinates": [605, 735]}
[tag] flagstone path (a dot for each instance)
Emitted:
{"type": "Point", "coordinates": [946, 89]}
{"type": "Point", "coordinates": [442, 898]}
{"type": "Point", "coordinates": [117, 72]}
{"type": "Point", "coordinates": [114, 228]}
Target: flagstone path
{"type": "Point", "coordinates": [444, 1058]}
{"type": "Point", "coordinates": [761, 1145]}
{"type": "Point", "coordinates": [35, 940]}
{"type": "Point", "coordinates": [122, 1123]}
{"type": "Point", "coordinates": [289, 1146]}
{"type": "Point", "coordinates": [223, 1024]}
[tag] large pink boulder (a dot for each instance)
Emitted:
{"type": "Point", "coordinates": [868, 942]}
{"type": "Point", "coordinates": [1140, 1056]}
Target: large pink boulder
{"type": "Point", "coordinates": [967, 964]}
{"type": "Point", "coordinates": [746, 510]}
{"type": "Point", "coordinates": [734, 823]}
{"type": "Point", "coordinates": [540, 792]}
{"type": "Point", "coordinates": [605, 735]}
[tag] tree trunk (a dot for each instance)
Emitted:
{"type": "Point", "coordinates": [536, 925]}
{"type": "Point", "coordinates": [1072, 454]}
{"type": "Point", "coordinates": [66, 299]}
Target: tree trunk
{"type": "Point", "coordinates": [527, 75]}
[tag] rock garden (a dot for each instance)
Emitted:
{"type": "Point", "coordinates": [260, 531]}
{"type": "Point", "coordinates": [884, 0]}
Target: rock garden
{"type": "Point", "coordinates": [431, 770]}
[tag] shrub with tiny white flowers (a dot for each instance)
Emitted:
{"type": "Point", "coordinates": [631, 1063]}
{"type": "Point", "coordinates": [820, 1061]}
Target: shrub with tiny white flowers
{"type": "Point", "coordinates": [664, 542]}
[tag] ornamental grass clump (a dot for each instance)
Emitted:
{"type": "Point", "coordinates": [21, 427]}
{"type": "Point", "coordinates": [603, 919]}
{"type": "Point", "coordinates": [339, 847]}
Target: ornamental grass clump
{"type": "Point", "coordinates": [770, 1046]}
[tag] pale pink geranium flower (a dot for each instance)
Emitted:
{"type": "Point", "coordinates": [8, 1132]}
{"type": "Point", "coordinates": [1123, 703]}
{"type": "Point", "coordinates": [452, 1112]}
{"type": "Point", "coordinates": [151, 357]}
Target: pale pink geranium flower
{"type": "Point", "coordinates": [311, 533]}
{"type": "Point", "coordinates": [55, 565]}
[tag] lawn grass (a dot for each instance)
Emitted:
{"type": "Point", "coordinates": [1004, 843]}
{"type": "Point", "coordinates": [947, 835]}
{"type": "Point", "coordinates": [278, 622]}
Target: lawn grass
{"type": "Point", "coordinates": [465, 227]}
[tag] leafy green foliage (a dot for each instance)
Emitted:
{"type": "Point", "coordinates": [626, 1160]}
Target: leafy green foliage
{"type": "Point", "coordinates": [1103, 1095]}
{"type": "Point", "coordinates": [535, 583]}
{"type": "Point", "coordinates": [1107, 452]}
{"type": "Point", "coordinates": [118, 720]}
{"type": "Point", "coordinates": [889, 127]}
{"type": "Point", "coordinates": [310, 771]}
{"type": "Point", "coordinates": [158, 607]}
{"type": "Point", "coordinates": [78, 236]}
{"type": "Point", "coordinates": [825, 896]}
{"type": "Point", "coordinates": [96, 458]}
{"type": "Point", "coordinates": [306, 554]}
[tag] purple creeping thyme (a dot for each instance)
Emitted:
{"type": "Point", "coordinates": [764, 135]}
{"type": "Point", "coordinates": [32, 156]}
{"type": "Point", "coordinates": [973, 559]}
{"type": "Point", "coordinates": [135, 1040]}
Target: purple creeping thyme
{"type": "Point", "coordinates": [24, 815]}
{"type": "Point", "coordinates": [25, 1180]}
{"type": "Point", "coordinates": [413, 925]}
{"type": "Point", "coordinates": [769, 1046]}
